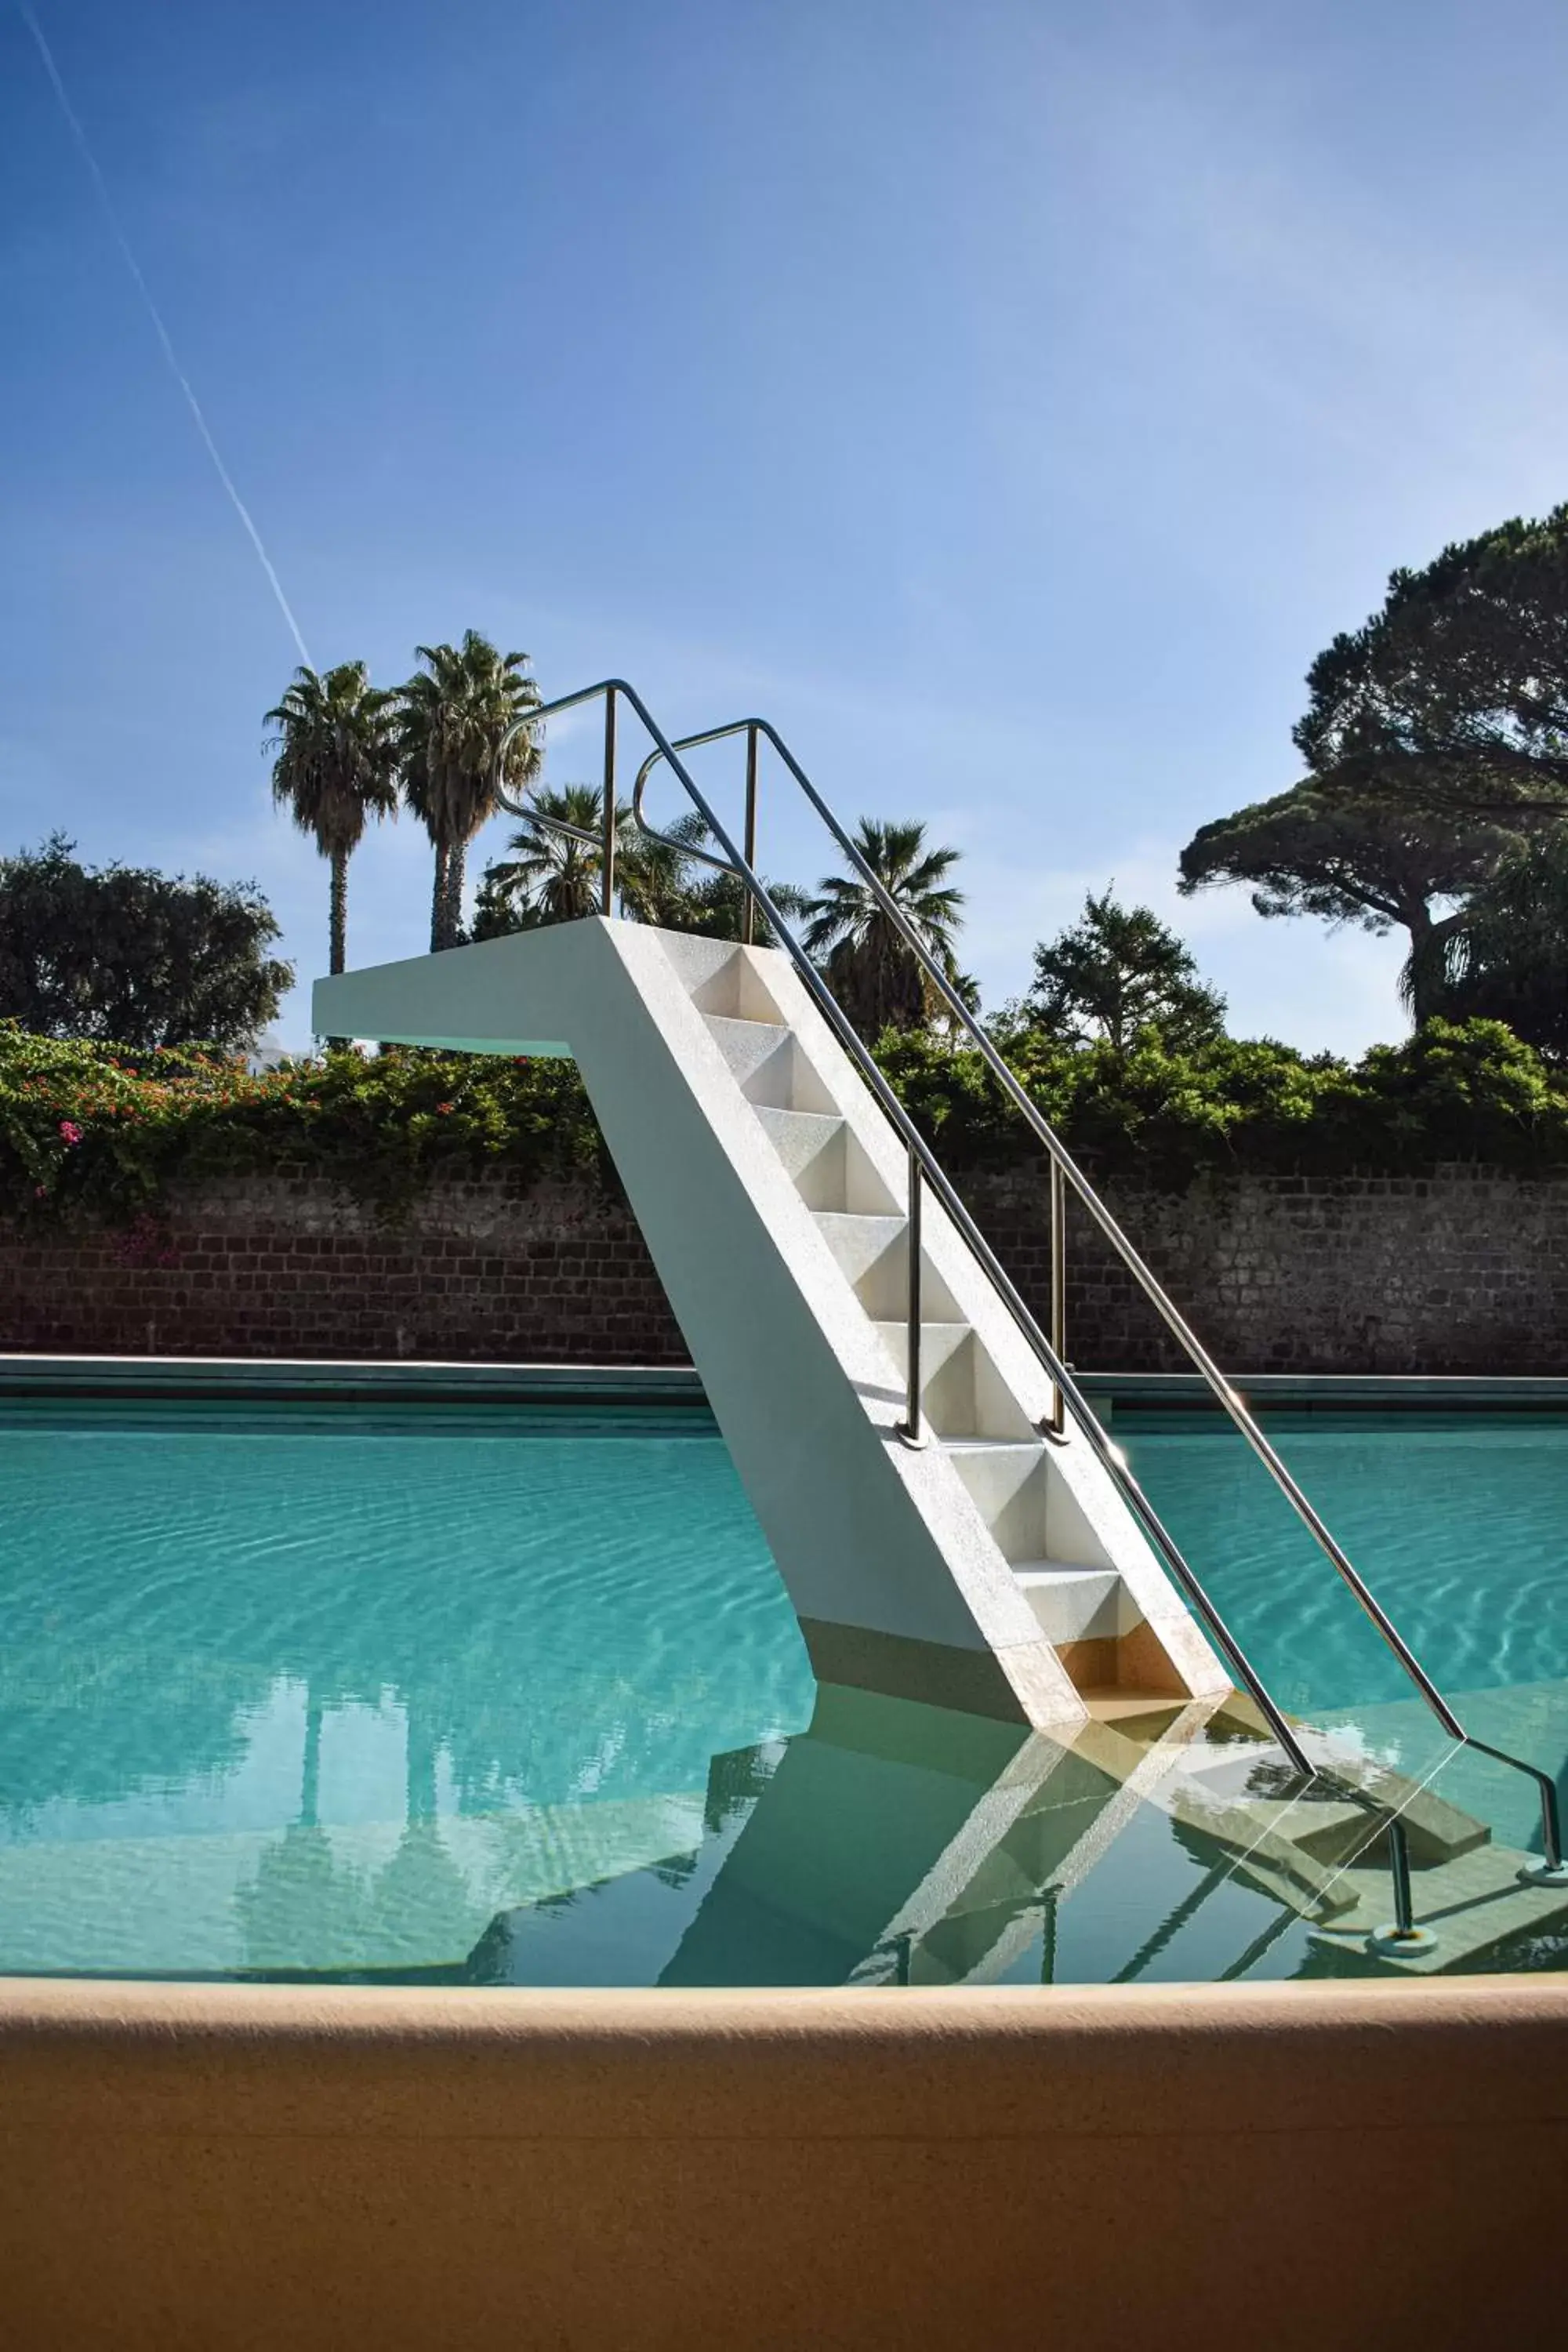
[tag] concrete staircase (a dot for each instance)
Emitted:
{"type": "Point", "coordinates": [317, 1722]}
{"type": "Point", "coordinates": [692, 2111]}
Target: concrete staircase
{"type": "Point", "coordinates": [980, 1423]}
{"type": "Point", "coordinates": [988, 1570]}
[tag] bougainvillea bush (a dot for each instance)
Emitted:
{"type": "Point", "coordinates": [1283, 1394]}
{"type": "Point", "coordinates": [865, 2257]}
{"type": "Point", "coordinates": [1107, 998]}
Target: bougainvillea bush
{"type": "Point", "coordinates": [90, 1129]}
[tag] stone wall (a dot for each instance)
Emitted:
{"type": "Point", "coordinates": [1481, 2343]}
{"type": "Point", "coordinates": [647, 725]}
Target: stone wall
{"type": "Point", "coordinates": [1464, 1270]}
{"type": "Point", "coordinates": [1461, 1270]}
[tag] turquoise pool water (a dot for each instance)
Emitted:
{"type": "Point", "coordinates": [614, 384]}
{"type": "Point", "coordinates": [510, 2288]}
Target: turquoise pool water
{"type": "Point", "coordinates": [1459, 1521]}
{"type": "Point", "coordinates": [496, 1694]}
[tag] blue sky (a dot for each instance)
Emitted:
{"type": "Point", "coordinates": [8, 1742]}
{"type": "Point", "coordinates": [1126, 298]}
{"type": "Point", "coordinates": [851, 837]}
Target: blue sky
{"type": "Point", "coordinates": [1008, 398]}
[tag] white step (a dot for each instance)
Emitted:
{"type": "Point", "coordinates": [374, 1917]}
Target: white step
{"type": "Point", "coordinates": [873, 1250]}
{"type": "Point", "coordinates": [720, 978]}
{"type": "Point", "coordinates": [1470, 1905]}
{"type": "Point", "coordinates": [1072, 1604]}
{"type": "Point", "coordinates": [767, 1064]}
{"type": "Point", "coordinates": [994, 1469]}
{"type": "Point", "coordinates": [749, 1047]}
{"type": "Point", "coordinates": [811, 1145]}
{"type": "Point", "coordinates": [938, 1342]}
{"type": "Point", "coordinates": [858, 1242]}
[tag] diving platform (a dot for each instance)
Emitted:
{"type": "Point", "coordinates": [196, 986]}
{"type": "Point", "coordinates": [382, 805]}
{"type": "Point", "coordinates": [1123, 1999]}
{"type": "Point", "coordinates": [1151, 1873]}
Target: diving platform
{"type": "Point", "coordinates": [981, 1559]}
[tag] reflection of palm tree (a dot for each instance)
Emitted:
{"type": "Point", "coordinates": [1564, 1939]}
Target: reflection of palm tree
{"type": "Point", "coordinates": [422, 1754]}
{"type": "Point", "coordinates": [304, 1910]}
{"type": "Point", "coordinates": [310, 1768]}
{"type": "Point", "coordinates": [422, 1911]}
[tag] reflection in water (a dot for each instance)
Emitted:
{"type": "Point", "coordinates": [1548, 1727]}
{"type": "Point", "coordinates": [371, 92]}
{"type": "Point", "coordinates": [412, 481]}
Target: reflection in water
{"type": "Point", "coordinates": [531, 1709]}
{"type": "Point", "coordinates": [249, 1652]}
{"type": "Point", "coordinates": [893, 1843]}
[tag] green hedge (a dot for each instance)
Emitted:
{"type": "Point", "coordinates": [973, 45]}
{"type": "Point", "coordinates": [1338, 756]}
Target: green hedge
{"type": "Point", "coordinates": [86, 1128]}
{"type": "Point", "coordinates": [1473, 1093]}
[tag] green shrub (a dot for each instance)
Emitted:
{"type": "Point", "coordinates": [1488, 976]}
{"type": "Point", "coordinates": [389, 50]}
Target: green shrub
{"type": "Point", "coordinates": [98, 1130]}
{"type": "Point", "coordinates": [1451, 1092]}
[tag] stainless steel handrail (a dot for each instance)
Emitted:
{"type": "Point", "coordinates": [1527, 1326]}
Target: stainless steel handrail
{"type": "Point", "coordinates": [920, 1155]}
{"type": "Point", "coordinates": [1064, 1168]}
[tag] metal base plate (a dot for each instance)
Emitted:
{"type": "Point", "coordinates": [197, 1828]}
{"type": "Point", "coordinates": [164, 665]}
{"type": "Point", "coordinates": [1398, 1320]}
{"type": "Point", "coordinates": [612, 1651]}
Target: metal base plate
{"type": "Point", "coordinates": [1544, 1873]}
{"type": "Point", "coordinates": [1395, 1943]}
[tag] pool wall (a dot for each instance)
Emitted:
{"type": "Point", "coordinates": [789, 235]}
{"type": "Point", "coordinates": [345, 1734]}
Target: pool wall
{"type": "Point", "coordinates": [221, 2167]}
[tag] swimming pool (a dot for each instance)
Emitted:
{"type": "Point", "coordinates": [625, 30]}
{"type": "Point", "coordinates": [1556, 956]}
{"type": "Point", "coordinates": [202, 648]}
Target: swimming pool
{"type": "Point", "coordinates": [502, 1694]}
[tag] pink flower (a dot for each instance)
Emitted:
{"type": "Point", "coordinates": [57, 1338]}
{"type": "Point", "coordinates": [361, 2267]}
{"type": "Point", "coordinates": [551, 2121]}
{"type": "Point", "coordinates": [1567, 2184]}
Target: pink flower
{"type": "Point", "coordinates": [70, 1132]}
{"type": "Point", "coordinates": [442, 1109]}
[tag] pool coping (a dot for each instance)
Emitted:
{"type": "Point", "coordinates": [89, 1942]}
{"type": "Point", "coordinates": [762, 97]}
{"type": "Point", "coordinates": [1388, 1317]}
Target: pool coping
{"type": "Point", "coordinates": [410, 1381]}
{"type": "Point", "coordinates": [416, 1379]}
{"type": "Point", "coordinates": [238, 2168]}
{"type": "Point", "coordinates": [1427, 1392]}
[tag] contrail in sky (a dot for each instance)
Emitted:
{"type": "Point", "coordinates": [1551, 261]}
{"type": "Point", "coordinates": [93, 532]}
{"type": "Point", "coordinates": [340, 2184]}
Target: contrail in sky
{"type": "Point", "coordinates": [175, 369]}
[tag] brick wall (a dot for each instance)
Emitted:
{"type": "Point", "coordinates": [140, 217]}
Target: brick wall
{"type": "Point", "coordinates": [1464, 1270]}
{"type": "Point", "coordinates": [294, 1266]}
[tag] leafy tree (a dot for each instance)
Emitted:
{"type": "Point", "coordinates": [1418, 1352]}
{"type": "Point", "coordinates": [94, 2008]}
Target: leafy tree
{"type": "Point", "coordinates": [1506, 958]}
{"type": "Point", "coordinates": [1363, 860]}
{"type": "Point", "coordinates": [453, 714]}
{"type": "Point", "coordinates": [145, 958]}
{"type": "Point", "coordinates": [1119, 975]}
{"type": "Point", "coordinates": [1454, 697]}
{"type": "Point", "coordinates": [336, 767]}
{"type": "Point", "coordinates": [870, 970]}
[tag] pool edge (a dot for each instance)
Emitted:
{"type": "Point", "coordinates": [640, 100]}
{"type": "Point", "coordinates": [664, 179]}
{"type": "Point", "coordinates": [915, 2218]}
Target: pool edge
{"type": "Point", "coordinates": [233, 2166]}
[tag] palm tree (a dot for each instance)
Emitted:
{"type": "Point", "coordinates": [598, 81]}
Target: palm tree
{"type": "Point", "coordinates": [453, 715]}
{"type": "Point", "coordinates": [551, 877]}
{"type": "Point", "coordinates": [336, 767]}
{"type": "Point", "coordinates": [871, 971]}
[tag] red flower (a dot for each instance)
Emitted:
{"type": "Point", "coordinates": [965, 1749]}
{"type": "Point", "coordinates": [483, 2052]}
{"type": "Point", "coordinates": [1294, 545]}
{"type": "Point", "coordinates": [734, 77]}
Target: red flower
{"type": "Point", "coordinates": [70, 1132]}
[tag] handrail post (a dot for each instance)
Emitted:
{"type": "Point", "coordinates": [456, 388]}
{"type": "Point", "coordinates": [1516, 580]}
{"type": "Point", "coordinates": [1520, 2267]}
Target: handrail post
{"type": "Point", "coordinates": [1551, 1871]}
{"type": "Point", "coordinates": [748, 905]}
{"type": "Point", "coordinates": [1404, 1937]}
{"type": "Point", "coordinates": [1399, 1864]}
{"type": "Point", "coordinates": [607, 855]}
{"type": "Point", "coordinates": [1058, 1419]}
{"type": "Point", "coordinates": [911, 1429]}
